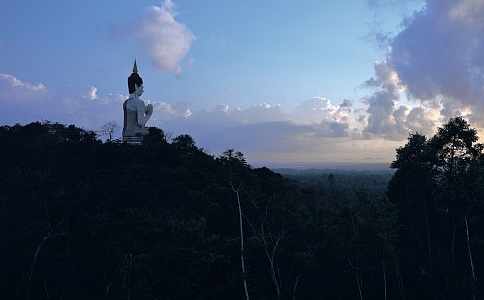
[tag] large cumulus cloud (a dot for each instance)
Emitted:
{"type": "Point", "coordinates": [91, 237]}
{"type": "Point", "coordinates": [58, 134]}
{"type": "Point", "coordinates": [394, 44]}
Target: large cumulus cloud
{"type": "Point", "coordinates": [440, 52]}
{"type": "Point", "coordinates": [162, 38]}
{"type": "Point", "coordinates": [437, 62]}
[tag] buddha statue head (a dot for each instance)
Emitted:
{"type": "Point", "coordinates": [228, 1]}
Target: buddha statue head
{"type": "Point", "coordinates": [135, 82]}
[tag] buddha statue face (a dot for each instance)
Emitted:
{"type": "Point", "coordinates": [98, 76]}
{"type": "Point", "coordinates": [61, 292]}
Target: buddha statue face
{"type": "Point", "coordinates": [139, 89]}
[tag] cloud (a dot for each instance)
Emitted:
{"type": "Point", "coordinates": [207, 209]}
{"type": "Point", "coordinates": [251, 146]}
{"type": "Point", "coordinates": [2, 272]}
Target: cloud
{"type": "Point", "coordinates": [165, 110]}
{"type": "Point", "coordinates": [436, 54]}
{"type": "Point", "coordinates": [314, 110]}
{"type": "Point", "coordinates": [436, 62]}
{"type": "Point", "coordinates": [24, 102]}
{"type": "Point", "coordinates": [162, 38]}
{"type": "Point", "coordinates": [265, 131]}
{"type": "Point", "coordinates": [91, 94]}
{"type": "Point", "coordinates": [468, 11]}
{"type": "Point", "coordinates": [333, 129]}
{"type": "Point", "coordinates": [383, 118]}
{"type": "Point", "coordinates": [441, 53]}
{"type": "Point", "coordinates": [13, 90]}
{"type": "Point", "coordinates": [422, 119]}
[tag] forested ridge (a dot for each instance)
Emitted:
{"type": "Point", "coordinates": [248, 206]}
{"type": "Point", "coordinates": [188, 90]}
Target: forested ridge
{"type": "Point", "coordinates": [83, 219]}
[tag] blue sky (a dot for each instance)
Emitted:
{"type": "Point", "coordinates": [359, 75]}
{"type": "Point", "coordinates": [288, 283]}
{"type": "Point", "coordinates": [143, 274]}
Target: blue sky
{"type": "Point", "coordinates": [281, 81]}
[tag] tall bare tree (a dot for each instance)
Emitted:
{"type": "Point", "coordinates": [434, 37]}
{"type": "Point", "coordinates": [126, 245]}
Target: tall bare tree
{"type": "Point", "coordinates": [235, 161]}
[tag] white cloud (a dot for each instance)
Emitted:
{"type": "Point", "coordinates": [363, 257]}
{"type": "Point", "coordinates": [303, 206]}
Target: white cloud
{"type": "Point", "coordinates": [264, 130]}
{"type": "Point", "coordinates": [25, 102]}
{"type": "Point", "coordinates": [165, 110]}
{"type": "Point", "coordinates": [13, 90]}
{"type": "Point", "coordinates": [259, 113]}
{"type": "Point", "coordinates": [162, 38]}
{"type": "Point", "coordinates": [91, 94]}
{"type": "Point", "coordinates": [314, 110]}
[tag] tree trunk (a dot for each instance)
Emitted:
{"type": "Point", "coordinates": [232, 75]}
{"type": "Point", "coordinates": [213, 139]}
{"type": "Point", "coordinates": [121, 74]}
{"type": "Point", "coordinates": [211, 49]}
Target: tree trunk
{"type": "Point", "coordinates": [270, 250]}
{"type": "Point", "coordinates": [242, 261]}
{"type": "Point", "coordinates": [384, 277]}
{"type": "Point", "coordinates": [358, 272]}
{"type": "Point", "coordinates": [427, 230]}
{"type": "Point", "coordinates": [473, 278]}
{"type": "Point", "coordinates": [49, 235]}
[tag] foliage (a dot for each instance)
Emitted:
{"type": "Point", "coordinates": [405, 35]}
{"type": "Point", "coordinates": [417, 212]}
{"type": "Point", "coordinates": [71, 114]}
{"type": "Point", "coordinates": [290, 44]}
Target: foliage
{"type": "Point", "coordinates": [82, 219]}
{"type": "Point", "coordinates": [436, 189]}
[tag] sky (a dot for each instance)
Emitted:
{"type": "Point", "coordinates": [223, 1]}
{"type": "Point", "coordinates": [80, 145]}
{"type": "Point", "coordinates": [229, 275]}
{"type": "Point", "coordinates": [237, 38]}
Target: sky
{"type": "Point", "coordinates": [283, 82]}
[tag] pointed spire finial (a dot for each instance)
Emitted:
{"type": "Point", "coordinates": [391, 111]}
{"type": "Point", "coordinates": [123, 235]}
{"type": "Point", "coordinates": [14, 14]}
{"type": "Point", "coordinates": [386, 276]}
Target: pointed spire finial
{"type": "Point", "coordinates": [135, 67]}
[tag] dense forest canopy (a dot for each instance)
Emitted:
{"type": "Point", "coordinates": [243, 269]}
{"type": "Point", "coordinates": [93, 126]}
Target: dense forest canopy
{"type": "Point", "coordinates": [83, 219]}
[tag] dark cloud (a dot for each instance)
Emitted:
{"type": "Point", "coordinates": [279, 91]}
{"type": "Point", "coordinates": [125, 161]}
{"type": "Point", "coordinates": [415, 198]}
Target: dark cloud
{"type": "Point", "coordinates": [438, 54]}
{"type": "Point", "coordinates": [333, 129]}
{"type": "Point", "coordinates": [346, 104]}
{"type": "Point", "coordinates": [441, 53]}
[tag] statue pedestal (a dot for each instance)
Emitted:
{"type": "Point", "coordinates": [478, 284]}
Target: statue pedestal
{"type": "Point", "coordinates": [133, 140]}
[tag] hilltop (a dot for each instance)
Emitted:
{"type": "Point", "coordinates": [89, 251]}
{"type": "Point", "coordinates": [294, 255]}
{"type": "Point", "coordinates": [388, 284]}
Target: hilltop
{"type": "Point", "coordinates": [83, 219]}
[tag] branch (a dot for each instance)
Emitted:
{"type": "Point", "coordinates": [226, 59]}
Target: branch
{"type": "Point", "coordinates": [39, 248]}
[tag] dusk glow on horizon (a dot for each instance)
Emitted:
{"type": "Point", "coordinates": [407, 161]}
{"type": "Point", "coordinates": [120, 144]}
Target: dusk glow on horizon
{"type": "Point", "coordinates": [283, 83]}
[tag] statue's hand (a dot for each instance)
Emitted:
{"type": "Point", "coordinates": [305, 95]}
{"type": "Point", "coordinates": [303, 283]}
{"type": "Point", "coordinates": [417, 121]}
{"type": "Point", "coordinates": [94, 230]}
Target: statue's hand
{"type": "Point", "coordinates": [149, 109]}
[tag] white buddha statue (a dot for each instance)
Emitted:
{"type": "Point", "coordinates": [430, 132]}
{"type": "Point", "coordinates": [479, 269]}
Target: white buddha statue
{"type": "Point", "coordinates": [136, 113]}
